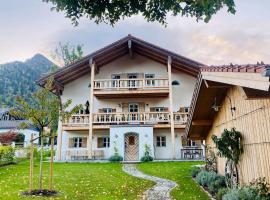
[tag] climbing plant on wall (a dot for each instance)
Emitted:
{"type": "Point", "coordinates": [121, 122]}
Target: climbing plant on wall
{"type": "Point", "coordinates": [229, 146]}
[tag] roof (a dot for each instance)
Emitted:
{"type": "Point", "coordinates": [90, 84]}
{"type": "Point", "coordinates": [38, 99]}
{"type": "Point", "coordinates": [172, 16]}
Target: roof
{"type": "Point", "coordinates": [211, 87]}
{"type": "Point", "coordinates": [4, 110]}
{"type": "Point", "coordinates": [126, 45]}
{"type": "Point", "coordinates": [246, 68]}
{"type": "Point", "coordinates": [14, 124]}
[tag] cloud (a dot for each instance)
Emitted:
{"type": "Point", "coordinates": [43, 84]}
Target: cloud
{"type": "Point", "coordinates": [240, 38]}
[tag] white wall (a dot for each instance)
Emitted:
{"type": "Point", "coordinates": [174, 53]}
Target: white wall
{"type": "Point", "coordinates": [71, 134]}
{"type": "Point", "coordinates": [166, 152]}
{"type": "Point", "coordinates": [117, 137]}
{"type": "Point", "coordinates": [79, 91]}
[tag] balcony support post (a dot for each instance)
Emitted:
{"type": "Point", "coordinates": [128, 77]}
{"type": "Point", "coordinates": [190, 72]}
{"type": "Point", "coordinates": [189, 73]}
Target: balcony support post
{"type": "Point", "coordinates": [171, 106]}
{"type": "Point", "coordinates": [91, 108]}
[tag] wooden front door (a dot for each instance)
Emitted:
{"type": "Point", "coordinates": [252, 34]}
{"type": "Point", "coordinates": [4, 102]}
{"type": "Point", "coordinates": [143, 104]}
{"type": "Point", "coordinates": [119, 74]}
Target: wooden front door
{"type": "Point", "coordinates": [131, 147]}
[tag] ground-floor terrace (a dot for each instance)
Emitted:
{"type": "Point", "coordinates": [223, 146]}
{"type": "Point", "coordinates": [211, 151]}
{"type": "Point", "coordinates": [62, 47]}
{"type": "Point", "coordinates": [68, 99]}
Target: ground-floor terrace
{"type": "Point", "coordinates": [130, 142]}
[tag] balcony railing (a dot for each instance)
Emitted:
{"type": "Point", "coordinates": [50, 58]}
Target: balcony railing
{"type": "Point", "coordinates": [125, 84]}
{"type": "Point", "coordinates": [127, 118]}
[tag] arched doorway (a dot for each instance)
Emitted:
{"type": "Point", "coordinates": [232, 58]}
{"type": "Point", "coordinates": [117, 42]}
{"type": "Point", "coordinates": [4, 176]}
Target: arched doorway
{"type": "Point", "coordinates": [131, 147]}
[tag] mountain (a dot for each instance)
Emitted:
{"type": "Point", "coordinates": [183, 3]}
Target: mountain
{"type": "Point", "coordinates": [18, 78]}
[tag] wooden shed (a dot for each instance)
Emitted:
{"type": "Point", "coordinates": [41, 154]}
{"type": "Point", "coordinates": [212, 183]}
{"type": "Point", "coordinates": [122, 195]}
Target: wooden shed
{"type": "Point", "coordinates": [235, 96]}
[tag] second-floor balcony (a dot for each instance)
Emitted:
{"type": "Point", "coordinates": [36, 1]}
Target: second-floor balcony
{"type": "Point", "coordinates": [131, 87]}
{"type": "Point", "coordinates": [128, 118]}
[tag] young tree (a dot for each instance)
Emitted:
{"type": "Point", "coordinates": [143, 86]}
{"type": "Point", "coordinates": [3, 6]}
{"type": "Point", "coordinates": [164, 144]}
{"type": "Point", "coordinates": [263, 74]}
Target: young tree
{"type": "Point", "coordinates": [67, 54]}
{"type": "Point", "coordinates": [151, 10]}
{"type": "Point", "coordinates": [42, 113]}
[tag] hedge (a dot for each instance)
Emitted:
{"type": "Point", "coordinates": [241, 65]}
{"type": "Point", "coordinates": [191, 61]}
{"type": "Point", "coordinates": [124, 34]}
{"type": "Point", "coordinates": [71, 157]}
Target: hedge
{"type": "Point", "coordinates": [7, 154]}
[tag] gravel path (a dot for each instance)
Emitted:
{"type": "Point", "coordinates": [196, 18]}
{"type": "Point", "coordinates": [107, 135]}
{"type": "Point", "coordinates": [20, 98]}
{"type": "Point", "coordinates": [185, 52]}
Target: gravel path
{"type": "Point", "coordinates": [161, 191]}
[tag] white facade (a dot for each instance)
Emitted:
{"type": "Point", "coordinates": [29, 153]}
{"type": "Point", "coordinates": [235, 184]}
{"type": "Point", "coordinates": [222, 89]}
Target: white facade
{"type": "Point", "coordinates": [79, 91]}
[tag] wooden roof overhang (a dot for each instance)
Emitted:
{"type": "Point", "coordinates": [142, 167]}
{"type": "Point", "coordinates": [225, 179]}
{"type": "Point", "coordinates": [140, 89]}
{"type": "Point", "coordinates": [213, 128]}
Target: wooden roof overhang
{"type": "Point", "coordinates": [211, 88]}
{"type": "Point", "coordinates": [127, 45]}
{"type": "Point", "coordinates": [206, 94]}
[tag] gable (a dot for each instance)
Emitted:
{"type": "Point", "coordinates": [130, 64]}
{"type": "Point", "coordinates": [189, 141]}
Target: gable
{"type": "Point", "coordinates": [126, 46]}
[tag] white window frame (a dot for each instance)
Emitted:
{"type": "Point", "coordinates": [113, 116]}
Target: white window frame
{"type": "Point", "coordinates": [150, 81]}
{"type": "Point", "coordinates": [78, 141]}
{"type": "Point", "coordinates": [105, 142]}
{"type": "Point", "coordinates": [192, 143]}
{"type": "Point", "coordinates": [107, 110]}
{"type": "Point", "coordinates": [161, 141]}
{"type": "Point", "coordinates": [159, 109]}
{"type": "Point", "coordinates": [133, 104]}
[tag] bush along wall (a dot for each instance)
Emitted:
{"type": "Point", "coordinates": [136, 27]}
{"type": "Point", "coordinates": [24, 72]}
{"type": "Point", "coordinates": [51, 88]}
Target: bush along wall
{"type": "Point", "coordinates": [215, 184]}
{"type": "Point", "coordinates": [7, 154]}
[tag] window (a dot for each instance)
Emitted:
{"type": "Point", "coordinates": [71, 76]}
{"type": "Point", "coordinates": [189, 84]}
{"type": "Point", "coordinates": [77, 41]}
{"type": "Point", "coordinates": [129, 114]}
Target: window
{"type": "Point", "coordinates": [191, 143]}
{"type": "Point", "coordinates": [161, 141]}
{"type": "Point", "coordinates": [115, 76]}
{"type": "Point", "coordinates": [107, 110]}
{"type": "Point", "coordinates": [77, 142]}
{"type": "Point", "coordinates": [133, 107]}
{"type": "Point", "coordinates": [103, 142]}
{"type": "Point", "coordinates": [186, 109]}
{"type": "Point", "coordinates": [159, 109]}
{"type": "Point", "coordinates": [115, 83]}
{"type": "Point", "coordinates": [175, 82]}
{"type": "Point", "coordinates": [150, 81]}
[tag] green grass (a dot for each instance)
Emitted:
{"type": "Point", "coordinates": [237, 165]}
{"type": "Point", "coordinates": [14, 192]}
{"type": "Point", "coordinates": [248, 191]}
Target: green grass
{"type": "Point", "coordinates": [180, 173]}
{"type": "Point", "coordinates": [80, 181]}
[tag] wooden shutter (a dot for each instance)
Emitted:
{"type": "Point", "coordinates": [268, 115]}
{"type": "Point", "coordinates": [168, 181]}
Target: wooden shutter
{"type": "Point", "coordinates": [100, 110]}
{"type": "Point", "coordinates": [141, 107]}
{"type": "Point", "coordinates": [166, 109]}
{"type": "Point", "coordinates": [124, 107]}
{"type": "Point", "coordinates": [152, 109]}
{"type": "Point", "coordinates": [71, 142]}
{"type": "Point", "coordinates": [84, 142]}
{"type": "Point", "coordinates": [184, 142]}
{"type": "Point", "coordinates": [100, 142]}
{"type": "Point", "coordinates": [114, 110]}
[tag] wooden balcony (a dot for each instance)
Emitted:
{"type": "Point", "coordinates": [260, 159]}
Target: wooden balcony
{"type": "Point", "coordinates": [119, 88]}
{"type": "Point", "coordinates": [105, 120]}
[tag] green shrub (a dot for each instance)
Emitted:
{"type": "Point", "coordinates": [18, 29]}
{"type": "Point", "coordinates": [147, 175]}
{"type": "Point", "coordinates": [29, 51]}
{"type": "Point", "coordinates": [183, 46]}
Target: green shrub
{"type": "Point", "coordinates": [218, 183]}
{"type": "Point", "coordinates": [7, 154]}
{"type": "Point", "coordinates": [221, 192]}
{"type": "Point", "coordinates": [195, 171]}
{"type": "Point", "coordinates": [116, 158]}
{"type": "Point", "coordinates": [204, 178]}
{"type": "Point", "coordinates": [147, 157]}
{"type": "Point", "coordinates": [244, 193]}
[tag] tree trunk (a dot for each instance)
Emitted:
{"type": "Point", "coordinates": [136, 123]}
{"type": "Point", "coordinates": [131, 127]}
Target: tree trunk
{"type": "Point", "coordinates": [41, 160]}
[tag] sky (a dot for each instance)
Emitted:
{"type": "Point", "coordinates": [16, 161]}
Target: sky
{"type": "Point", "coordinates": [29, 27]}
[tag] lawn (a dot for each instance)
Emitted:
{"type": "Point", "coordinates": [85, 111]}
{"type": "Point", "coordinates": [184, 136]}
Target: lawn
{"type": "Point", "coordinates": [84, 181]}
{"type": "Point", "coordinates": [80, 181]}
{"type": "Point", "coordinates": [180, 173]}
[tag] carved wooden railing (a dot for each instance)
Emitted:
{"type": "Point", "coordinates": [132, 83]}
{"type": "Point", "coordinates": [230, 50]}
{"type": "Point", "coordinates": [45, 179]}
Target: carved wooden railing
{"type": "Point", "coordinates": [125, 84]}
{"type": "Point", "coordinates": [128, 118]}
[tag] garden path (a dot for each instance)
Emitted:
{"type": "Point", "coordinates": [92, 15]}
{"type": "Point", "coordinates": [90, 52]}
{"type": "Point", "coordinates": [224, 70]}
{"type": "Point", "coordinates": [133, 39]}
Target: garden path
{"type": "Point", "coordinates": [160, 191]}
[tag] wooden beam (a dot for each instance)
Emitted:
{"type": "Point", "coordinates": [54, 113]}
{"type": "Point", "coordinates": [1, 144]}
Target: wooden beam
{"type": "Point", "coordinates": [213, 84]}
{"type": "Point", "coordinates": [171, 105]}
{"type": "Point", "coordinates": [91, 104]}
{"type": "Point", "coordinates": [130, 49]}
{"type": "Point", "coordinates": [201, 123]}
